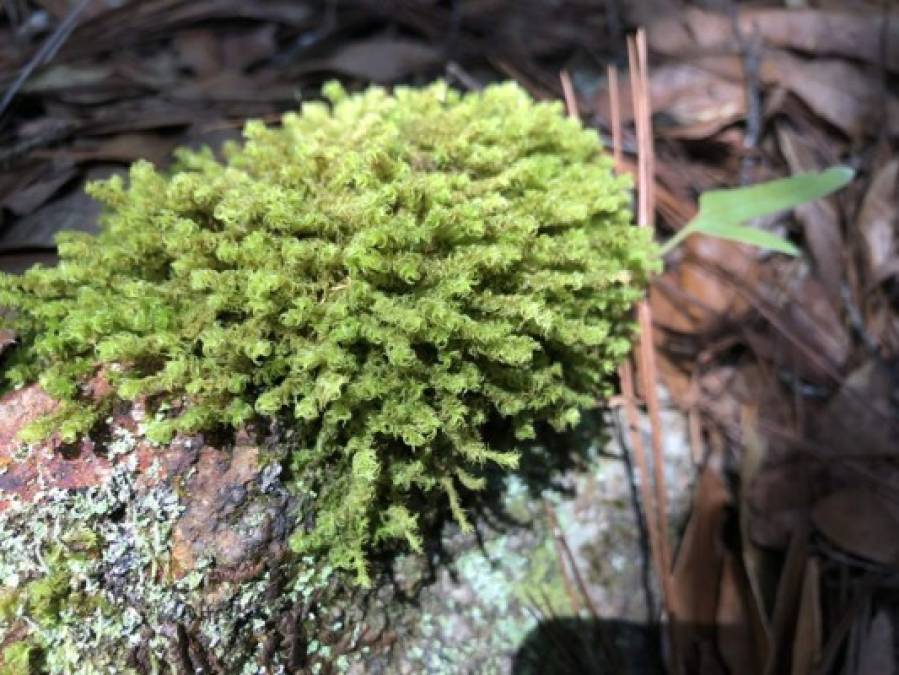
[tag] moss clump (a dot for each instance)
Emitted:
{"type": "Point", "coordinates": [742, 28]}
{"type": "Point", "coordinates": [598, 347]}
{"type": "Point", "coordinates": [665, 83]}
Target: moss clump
{"type": "Point", "coordinates": [385, 274]}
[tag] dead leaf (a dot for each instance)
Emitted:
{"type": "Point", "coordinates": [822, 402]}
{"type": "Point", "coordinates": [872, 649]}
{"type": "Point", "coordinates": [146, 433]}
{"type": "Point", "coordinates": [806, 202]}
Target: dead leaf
{"type": "Point", "coordinates": [125, 148]}
{"type": "Point", "coordinates": [783, 620]}
{"type": "Point", "coordinates": [877, 222]}
{"type": "Point", "coordinates": [860, 418]}
{"type": "Point", "coordinates": [778, 500]}
{"type": "Point", "coordinates": [199, 51]}
{"type": "Point", "coordinates": [243, 50]}
{"type": "Point", "coordinates": [856, 35]}
{"type": "Point", "coordinates": [861, 522]}
{"type": "Point", "coordinates": [819, 219]}
{"type": "Point", "coordinates": [759, 568]}
{"type": "Point", "coordinates": [378, 59]}
{"type": "Point", "coordinates": [741, 641]}
{"type": "Point", "coordinates": [690, 297]}
{"type": "Point", "coordinates": [839, 92]}
{"type": "Point", "coordinates": [65, 76]}
{"type": "Point", "coordinates": [811, 338]}
{"type": "Point", "coordinates": [693, 102]}
{"type": "Point", "coordinates": [808, 639]}
{"type": "Point", "coordinates": [73, 211]}
{"type": "Point", "coordinates": [697, 570]}
{"type": "Point", "coordinates": [25, 201]}
{"type": "Point", "coordinates": [877, 651]}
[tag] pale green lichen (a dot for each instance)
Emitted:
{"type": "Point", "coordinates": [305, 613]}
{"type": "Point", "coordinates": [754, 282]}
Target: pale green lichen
{"type": "Point", "coordinates": [385, 275]}
{"type": "Point", "coordinates": [84, 583]}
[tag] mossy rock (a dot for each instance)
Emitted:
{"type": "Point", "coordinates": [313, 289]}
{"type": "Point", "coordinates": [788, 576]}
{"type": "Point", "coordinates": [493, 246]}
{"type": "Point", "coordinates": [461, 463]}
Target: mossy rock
{"type": "Point", "coordinates": [375, 283]}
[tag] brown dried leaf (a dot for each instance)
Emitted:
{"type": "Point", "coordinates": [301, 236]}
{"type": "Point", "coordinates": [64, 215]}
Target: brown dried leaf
{"type": "Point", "coordinates": [740, 640]}
{"type": "Point", "coordinates": [877, 651]}
{"type": "Point", "coordinates": [761, 579]}
{"type": "Point", "coordinates": [124, 148]}
{"type": "Point", "coordinates": [697, 571]}
{"type": "Point", "coordinates": [704, 298]}
{"type": "Point", "coordinates": [859, 419]}
{"type": "Point", "coordinates": [73, 211]}
{"type": "Point", "coordinates": [789, 591]}
{"type": "Point", "coordinates": [778, 499]}
{"type": "Point", "coordinates": [861, 522]}
{"type": "Point", "coordinates": [856, 35]}
{"type": "Point", "coordinates": [243, 50]}
{"type": "Point", "coordinates": [877, 222]}
{"type": "Point", "coordinates": [26, 200]}
{"type": "Point", "coordinates": [199, 51]}
{"type": "Point", "coordinates": [839, 92]}
{"type": "Point", "coordinates": [697, 103]}
{"type": "Point", "coordinates": [811, 338]}
{"type": "Point", "coordinates": [378, 59]}
{"type": "Point", "coordinates": [808, 640]}
{"type": "Point", "coordinates": [819, 219]}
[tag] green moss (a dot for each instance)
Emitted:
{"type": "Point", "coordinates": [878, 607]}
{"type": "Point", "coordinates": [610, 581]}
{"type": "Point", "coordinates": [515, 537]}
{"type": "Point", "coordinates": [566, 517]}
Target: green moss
{"type": "Point", "coordinates": [20, 658]}
{"type": "Point", "coordinates": [386, 275]}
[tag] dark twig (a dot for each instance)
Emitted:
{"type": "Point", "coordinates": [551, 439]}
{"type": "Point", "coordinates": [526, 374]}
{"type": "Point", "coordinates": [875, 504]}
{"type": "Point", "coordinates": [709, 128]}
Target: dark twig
{"type": "Point", "coordinates": [46, 52]}
{"type": "Point", "coordinates": [857, 321]}
{"type": "Point", "coordinates": [458, 73]}
{"type": "Point", "coordinates": [750, 50]}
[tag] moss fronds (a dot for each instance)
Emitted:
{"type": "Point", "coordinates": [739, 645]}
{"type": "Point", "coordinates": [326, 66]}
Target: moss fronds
{"type": "Point", "coordinates": [386, 273]}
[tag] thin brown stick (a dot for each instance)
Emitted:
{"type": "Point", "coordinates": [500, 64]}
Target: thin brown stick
{"type": "Point", "coordinates": [646, 355]}
{"type": "Point", "coordinates": [626, 373]}
{"type": "Point", "coordinates": [570, 96]}
{"type": "Point", "coordinates": [560, 554]}
{"type": "Point", "coordinates": [45, 53]}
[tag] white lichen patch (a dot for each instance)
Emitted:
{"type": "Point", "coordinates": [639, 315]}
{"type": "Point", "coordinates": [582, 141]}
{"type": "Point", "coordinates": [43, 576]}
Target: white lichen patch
{"type": "Point", "coordinates": [86, 581]}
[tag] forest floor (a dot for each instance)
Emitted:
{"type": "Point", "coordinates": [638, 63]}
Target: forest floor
{"type": "Point", "coordinates": [782, 457]}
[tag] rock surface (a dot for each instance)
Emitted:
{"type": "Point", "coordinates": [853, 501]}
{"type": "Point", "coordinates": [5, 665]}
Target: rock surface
{"type": "Point", "coordinates": [118, 556]}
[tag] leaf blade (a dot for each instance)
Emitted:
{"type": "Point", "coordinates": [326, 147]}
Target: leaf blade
{"type": "Point", "coordinates": [748, 235]}
{"type": "Point", "coordinates": [721, 212]}
{"type": "Point", "coordinates": [737, 205]}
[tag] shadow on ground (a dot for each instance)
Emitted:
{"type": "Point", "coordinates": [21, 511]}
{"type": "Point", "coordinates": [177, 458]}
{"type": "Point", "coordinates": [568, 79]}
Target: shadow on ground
{"type": "Point", "coordinates": [569, 646]}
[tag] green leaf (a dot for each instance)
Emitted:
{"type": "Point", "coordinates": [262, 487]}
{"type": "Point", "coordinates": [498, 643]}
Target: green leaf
{"type": "Point", "coordinates": [722, 211]}
{"type": "Point", "coordinates": [737, 205]}
{"type": "Point", "coordinates": [748, 235]}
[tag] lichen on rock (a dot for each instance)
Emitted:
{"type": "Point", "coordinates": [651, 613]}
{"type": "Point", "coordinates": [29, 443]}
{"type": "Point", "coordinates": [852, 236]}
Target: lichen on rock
{"type": "Point", "coordinates": [112, 574]}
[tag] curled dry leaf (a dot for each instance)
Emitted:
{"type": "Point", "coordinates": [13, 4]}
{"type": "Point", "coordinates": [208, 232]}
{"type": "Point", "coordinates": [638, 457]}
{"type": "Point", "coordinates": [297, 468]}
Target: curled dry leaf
{"type": "Point", "coordinates": [861, 522]}
{"type": "Point", "coordinates": [819, 219]}
{"type": "Point", "coordinates": [808, 640]}
{"type": "Point", "coordinates": [695, 102]}
{"type": "Point", "coordinates": [697, 571]}
{"type": "Point", "coordinates": [778, 500]}
{"type": "Point", "coordinates": [860, 419]}
{"type": "Point", "coordinates": [839, 92]}
{"type": "Point", "coordinates": [692, 298]}
{"type": "Point", "coordinates": [377, 59]}
{"type": "Point", "coordinates": [819, 32]}
{"type": "Point", "coordinates": [877, 222]}
{"type": "Point", "coordinates": [811, 338]}
{"type": "Point", "coordinates": [741, 639]}
{"type": "Point", "coordinates": [28, 199]}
